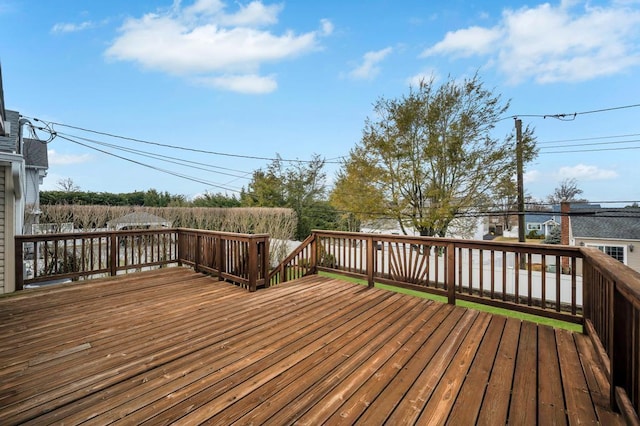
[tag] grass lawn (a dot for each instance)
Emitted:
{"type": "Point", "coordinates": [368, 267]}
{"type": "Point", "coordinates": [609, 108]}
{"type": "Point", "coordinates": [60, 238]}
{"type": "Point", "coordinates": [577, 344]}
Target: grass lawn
{"type": "Point", "coordinates": [515, 240]}
{"type": "Point", "coordinates": [477, 306]}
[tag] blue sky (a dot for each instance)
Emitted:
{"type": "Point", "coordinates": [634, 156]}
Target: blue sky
{"type": "Point", "coordinates": [253, 79]}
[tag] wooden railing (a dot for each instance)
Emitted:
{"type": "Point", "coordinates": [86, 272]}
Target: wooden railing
{"type": "Point", "coordinates": [537, 279]}
{"type": "Point", "coordinates": [297, 264]}
{"type": "Point", "coordinates": [240, 258]}
{"type": "Point", "coordinates": [612, 320]}
{"type": "Point", "coordinates": [578, 285]}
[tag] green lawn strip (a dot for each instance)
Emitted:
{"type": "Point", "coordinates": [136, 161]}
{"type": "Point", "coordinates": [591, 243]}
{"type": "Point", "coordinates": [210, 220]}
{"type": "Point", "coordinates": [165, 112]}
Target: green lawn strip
{"type": "Point", "coordinates": [471, 305]}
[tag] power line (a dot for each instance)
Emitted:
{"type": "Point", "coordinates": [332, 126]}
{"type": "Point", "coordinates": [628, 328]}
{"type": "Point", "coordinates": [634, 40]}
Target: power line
{"type": "Point", "coordinates": [591, 150]}
{"type": "Point", "coordinates": [202, 151]}
{"type": "Point", "coordinates": [589, 139]}
{"type": "Point", "coordinates": [180, 175]}
{"type": "Point", "coordinates": [589, 144]}
{"type": "Point", "coordinates": [570, 116]}
{"type": "Point", "coordinates": [165, 158]}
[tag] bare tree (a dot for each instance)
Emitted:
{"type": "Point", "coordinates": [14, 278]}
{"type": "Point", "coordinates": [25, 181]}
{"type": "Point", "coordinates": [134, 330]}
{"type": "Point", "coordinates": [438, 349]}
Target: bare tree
{"type": "Point", "coordinates": [67, 185]}
{"type": "Point", "coordinates": [567, 191]}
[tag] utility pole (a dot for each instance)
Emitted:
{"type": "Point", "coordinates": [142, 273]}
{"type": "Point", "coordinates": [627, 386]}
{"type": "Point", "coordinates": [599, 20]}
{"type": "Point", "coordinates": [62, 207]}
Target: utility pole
{"type": "Point", "coordinates": [520, 180]}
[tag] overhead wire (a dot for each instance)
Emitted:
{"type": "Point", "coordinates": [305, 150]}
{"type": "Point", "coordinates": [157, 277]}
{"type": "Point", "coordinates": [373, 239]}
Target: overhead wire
{"type": "Point", "coordinates": [202, 151]}
{"type": "Point", "coordinates": [587, 139]}
{"type": "Point", "coordinates": [165, 158]}
{"type": "Point", "coordinates": [180, 175]}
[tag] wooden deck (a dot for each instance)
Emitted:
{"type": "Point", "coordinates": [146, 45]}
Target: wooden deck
{"type": "Point", "coordinates": [174, 345]}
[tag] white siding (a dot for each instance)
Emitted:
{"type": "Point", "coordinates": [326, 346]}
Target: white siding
{"type": "Point", "coordinates": [2, 228]}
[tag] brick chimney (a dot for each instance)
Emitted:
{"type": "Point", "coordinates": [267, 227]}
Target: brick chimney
{"type": "Point", "coordinates": [565, 207]}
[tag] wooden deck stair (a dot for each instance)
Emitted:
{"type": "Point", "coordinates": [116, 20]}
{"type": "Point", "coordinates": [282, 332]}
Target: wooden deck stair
{"type": "Point", "coordinates": [169, 345]}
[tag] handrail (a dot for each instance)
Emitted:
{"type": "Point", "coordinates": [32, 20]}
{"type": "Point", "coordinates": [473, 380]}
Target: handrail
{"type": "Point", "coordinates": [295, 265]}
{"type": "Point", "coordinates": [539, 279]}
{"type": "Point", "coordinates": [240, 258]}
{"type": "Point", "coordinates": [612, 320]}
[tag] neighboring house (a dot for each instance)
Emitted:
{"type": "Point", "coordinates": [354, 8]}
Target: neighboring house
{"type": "Point", "coordinates": [36, 166]}
{"type": "Point", "coordinates": [12, 181]}
{"type": "Point", "coordinates": [540, 223]}
{"type": "Point", "coordinates": [15, 190]}
{"type": "Point", "coordinates": [462, 228]}
{"type": "Point", "coordinates": [386, 226]}
{"type": "Point", "coordinates": [138, 220]}
{"type": "Point", "coordinates": [615, 231]}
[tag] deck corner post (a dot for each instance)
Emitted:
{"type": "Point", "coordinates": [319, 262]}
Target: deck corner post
{"type": "Point", "coordinates": [314, 253]}
{"type": "Point", "coordinates": [266, 262]}
{"type": "Point", "coordinates": [113, 255]}
{"type": "Point", "coordinates": [19, 254]}
{"type": "Point", "coordinates": [619, 349]}
{"type": "Point", "coordinates": [611, 344]}
{"type": "Point", "coordinates": [221, 258]}
{"type": "Point", "coordinates": [253, 264]}
{"type": "Point", "coordinates": [196, 264]}
{"type": "Point", "coordinates": [370, 256]}
{"type": "Point", "coordinates": [451, 273]}
{"type": "Point", "coordinates": [587, 284]}
{"type": "Point", "coordinates": [180, 243]}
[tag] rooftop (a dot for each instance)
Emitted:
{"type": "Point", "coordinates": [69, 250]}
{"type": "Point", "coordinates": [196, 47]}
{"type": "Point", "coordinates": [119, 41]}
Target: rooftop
{"type": "Point", "coordinates": [172, 344]}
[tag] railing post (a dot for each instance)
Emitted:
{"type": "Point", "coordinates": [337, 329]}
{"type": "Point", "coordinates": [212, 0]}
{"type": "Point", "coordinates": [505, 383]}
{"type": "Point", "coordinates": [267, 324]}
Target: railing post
{"type": "Point", "coordinates": [370, 254]}
{"type": "Point", "coordinates": [313, 263]}
{"type": "Point", "coordinates": [19, 264]}
{"type": "Point", "coordinates": [113, 255]}
{"type": "Point", "coordinates": [587, 287]}
{"type": "Point", "coordinates": [253, 264]}
{"type": "Point", "coordinates": [198, 252]}
{"type": "Point", "coordinates": [622, 318]}
{"type": "Point", "coordinates": [266, 262]}
{"type": "Point", "coordinates": [451, 273]}
{"type": "Point", "coordinates": [180, 249]}
{"type": "Point", "coordinates": [611, 344]}
{"type": "Point", "coordinates": [221, 260]}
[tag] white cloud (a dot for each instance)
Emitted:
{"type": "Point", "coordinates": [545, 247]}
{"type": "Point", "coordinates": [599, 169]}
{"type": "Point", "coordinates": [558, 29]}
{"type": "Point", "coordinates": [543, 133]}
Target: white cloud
{"type": "Point", "coordinates": [326, 27]}
{"type": "Point", "coordinates": [202, 41]}
{"type": "Point", "coordinates": [249, 84]}
{"type": "Point", "coordinates": [546, 43]}
{"type": "Point", "coordinates": [586, 172]}
{"type": "Point", "coordinates": [426, 76]}
{"type": "Point", "coordinates": [56, 159]}
{"type": "Point", "coordinates": [531, 176]}
{"type": "Point", "coordinates": [62, 27]}
{"type": "Point", "coordinates": [369, 68]}
{"type": "Point", "coordinates": [466, 42]}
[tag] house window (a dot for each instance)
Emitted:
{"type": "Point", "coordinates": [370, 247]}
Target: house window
{"type": "Point", "coordinates": [534, 226]}
{"type": "Point", "coordinates": [617, 252]}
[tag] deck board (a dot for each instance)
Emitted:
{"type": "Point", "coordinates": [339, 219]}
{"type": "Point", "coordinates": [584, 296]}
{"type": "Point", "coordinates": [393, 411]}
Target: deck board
{"type": "Point", "coordinates": [161, 346]}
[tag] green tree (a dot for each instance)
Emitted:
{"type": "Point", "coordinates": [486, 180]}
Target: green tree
{"type": "Point", "coordinates": [300, 186]}
{"type": "Point", "coordinates": [429, 157]}
{"type": "Point", "coordinates": [266, 188]}
{"type": "Point", "coordinates": [209, 199]}
{"type": "Point", "coordinates": [554, 237]}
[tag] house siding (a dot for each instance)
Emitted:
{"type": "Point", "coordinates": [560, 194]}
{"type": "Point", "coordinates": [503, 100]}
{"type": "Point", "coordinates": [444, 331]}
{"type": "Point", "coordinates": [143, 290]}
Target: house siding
{"type": "Point", "coordinates": [3, 232]}
{"type": "Point", "coordinates": [632, 258]}
{"type": "Point", "coordinates": [9, 143]}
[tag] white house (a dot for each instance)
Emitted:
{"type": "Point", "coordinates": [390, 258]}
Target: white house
{"type": "Point", "coordinates": [14, 190]}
